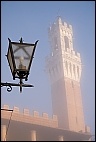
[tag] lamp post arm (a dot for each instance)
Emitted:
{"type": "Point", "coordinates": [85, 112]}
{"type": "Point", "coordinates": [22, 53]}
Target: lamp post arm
{"type": "Point", "coordinates": [9, 85]}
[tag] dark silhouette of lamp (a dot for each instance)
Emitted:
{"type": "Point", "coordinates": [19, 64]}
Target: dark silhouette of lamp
{"type": "Point", "coordinates": [20, 56]}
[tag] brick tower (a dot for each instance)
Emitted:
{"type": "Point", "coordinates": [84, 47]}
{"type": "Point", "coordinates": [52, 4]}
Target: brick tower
{"type": "Point", "coordinates": [64, 69]}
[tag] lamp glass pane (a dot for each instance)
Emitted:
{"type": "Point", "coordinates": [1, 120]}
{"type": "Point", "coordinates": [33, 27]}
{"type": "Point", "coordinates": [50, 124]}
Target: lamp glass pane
{"type": "Point", "coordinates": [10, 60]}
{"type": "Point", "coordinates": [22, 55]}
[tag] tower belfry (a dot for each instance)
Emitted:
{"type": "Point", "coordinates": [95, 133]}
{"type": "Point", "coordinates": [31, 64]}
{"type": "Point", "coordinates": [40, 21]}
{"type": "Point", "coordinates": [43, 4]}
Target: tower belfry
{"type": "Point", "coordinates": [64, 69]}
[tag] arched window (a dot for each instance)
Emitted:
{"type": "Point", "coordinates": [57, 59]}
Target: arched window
{"type": "Point", "coordinates": [70, 68]}
{"type": "Point", "coordinates": [55, 43]}
{"type": "Point", "coordinates": [66, 64]}
{"type": "Point", "coordinates": [66, 42]}
{"type": "Point", "coordinates": [78, 71]}
{"type": "Point", "coordinates": [74, 69]}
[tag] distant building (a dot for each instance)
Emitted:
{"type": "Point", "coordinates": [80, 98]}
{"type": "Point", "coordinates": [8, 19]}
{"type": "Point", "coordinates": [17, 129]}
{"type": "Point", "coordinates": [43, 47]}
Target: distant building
{"type": "Point", "coordinates": [64, 69]}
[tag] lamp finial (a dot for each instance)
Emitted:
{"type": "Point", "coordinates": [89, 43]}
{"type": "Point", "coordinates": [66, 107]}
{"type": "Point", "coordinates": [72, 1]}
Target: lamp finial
{"type": "Point", "coordinates": [21, 40]}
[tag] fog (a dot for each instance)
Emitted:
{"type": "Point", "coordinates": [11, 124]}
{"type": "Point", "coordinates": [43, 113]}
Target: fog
{"type": "Point", "coordinates": [61, 105]}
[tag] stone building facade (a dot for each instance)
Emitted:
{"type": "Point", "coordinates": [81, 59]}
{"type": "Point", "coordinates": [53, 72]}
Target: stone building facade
{"type": "Point", "coordinates": [25, 126]}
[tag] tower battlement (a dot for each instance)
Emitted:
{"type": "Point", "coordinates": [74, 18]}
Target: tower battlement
{"type": "Point", "coordinates": [26, 117]}
{"type": "Point", "coordinates": [72, 54]}
{"type": "Point", "coordinates": [63, 26]}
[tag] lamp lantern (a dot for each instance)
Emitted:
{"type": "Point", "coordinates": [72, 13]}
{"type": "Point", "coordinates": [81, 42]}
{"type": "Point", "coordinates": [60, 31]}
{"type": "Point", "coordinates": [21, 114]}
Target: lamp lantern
{"type": "Point", "coordinates": [20, 56]}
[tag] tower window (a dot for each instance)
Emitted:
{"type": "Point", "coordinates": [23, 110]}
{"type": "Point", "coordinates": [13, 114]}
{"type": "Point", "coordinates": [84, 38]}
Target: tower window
{"type": "Point", "coordinates": [66, 42]}
{"type": "Point", "coordinates": [70, 67]}
{"type": "Point", "coordinates": [78, 71]}
{"type": "Point", "coordinates": [55, 42]}
{"type": "Point", "coordinates": [66, 64]}
{"type": "Point", "coordinates": [74, 69]}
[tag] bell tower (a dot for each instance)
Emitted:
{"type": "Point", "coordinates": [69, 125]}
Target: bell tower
{"type": "Point", "coordinates": [64, 69]}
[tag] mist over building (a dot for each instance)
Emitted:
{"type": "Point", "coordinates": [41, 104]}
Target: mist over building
{"type": "Point", "coordinates": [64, 68]}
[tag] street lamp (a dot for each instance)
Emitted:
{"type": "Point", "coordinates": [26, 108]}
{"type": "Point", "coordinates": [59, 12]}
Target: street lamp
{"type": "Point", "coordinates": [20, 56]}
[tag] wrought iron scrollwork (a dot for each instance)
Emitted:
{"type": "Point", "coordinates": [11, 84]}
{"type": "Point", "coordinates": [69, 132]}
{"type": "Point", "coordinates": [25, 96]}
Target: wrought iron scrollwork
{"type": "Point", "coordinates": [21, 84]}
{"type": "Point", "coordinates": [9, 88]}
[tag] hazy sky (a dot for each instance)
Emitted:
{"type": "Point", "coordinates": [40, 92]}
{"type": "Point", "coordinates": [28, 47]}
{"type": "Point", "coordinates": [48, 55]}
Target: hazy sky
{"type": "Point", "coordinates": [30, 20]}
